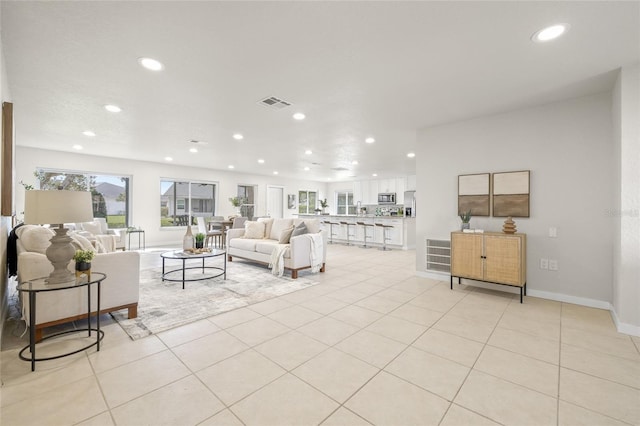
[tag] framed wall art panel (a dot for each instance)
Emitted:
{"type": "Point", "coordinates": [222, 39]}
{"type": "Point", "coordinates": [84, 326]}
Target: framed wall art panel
{"type": "Point", "coordinates": [511, 194]}
{"type": "Point", "coordinates": [473, 194]}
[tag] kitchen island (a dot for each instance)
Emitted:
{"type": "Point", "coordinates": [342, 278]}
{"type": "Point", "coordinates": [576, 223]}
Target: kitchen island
{"type": "Point", "coordinates": [400, 235]}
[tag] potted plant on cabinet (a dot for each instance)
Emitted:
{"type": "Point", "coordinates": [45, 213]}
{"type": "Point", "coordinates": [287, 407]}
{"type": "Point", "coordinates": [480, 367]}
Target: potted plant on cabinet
{"type": "Point", "coordinates": [199, 240]}
{"type": "Point", "coordinates": [83, 262]}
{"type": "Point", "coordinates": [466, 217]}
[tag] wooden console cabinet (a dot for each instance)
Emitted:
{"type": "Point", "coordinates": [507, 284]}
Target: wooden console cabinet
{"type": "Point", "coordinates": [493, 257]}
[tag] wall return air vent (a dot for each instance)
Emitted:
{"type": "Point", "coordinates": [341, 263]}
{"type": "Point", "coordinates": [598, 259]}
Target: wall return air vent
{"type": "Point", "coordinates": [274, 102]}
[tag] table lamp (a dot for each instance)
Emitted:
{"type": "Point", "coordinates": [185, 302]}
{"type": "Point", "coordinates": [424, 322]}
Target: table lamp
{"type": "Point", "coordinates": [57, 208]}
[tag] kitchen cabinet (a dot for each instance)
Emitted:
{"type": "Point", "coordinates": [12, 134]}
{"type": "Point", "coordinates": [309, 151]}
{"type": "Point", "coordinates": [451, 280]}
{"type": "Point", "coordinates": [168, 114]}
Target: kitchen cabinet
{"type": "Point", "coordinates": [411, 183]}
{"type": "Point", "coordinates": [357, 192]}
{"type": "Point", "coordinates": [401, 185]}
{"type": "Point", "coordinates": [493, 257]}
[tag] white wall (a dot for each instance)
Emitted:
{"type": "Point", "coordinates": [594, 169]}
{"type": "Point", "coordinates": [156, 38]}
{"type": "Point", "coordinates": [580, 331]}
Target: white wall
{"type": "Point", "coordinates": [626, 213]}
{"type": "Point", "coordinates": [145, 206]}
{"type": "Point", "coordinates": [567, 146]}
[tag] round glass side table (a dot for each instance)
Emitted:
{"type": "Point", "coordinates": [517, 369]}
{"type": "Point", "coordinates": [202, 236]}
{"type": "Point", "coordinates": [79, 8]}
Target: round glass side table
{"type": "Point", "coordinates": [39, 285]}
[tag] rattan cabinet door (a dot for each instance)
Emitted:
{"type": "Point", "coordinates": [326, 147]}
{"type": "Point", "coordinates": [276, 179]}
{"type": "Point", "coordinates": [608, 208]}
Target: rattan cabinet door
{"type": "Point", "coordinates": [466, 255]}
{"type": "Point", "coordinates": [503, 259]}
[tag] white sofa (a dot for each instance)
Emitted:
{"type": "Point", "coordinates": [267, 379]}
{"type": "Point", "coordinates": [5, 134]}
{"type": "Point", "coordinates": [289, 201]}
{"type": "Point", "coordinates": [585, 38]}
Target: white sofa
{"type": "Point", "coordinates": [99, 227]}
{"type": "Point", "coordinates": [296, 257]}
{"type": "Point", "coordinates": [120, 290]}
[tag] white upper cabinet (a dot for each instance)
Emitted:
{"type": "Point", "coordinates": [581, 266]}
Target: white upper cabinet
{"type": "Point", "coordinates": [357, 192]}
{"type": "Point", "coordinates": [411, 183]}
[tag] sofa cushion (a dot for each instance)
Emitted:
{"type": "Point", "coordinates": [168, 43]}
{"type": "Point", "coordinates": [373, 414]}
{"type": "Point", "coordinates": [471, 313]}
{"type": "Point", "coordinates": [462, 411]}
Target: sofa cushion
{"type": "Point", "coordinates": [285, 235]}
{"type": "Point", "coordinates": [313, 225]}
{"type": "Point", "coordinates": [267, 246]}
{"type": "Point", "coordinates": [299, 230]}
{"type": "Point", "coordinates": [243, 244]}
{"type": "Point", "coordinates": [35, 238]}
{"type": "Point", "coordinates": [278, 226]}
{"type": "Point", "coordinates": [268, 222]}
{"type": "Point", "coordinates": [254, 230]}
{"type": "Point", "coordinates": [92, 227]}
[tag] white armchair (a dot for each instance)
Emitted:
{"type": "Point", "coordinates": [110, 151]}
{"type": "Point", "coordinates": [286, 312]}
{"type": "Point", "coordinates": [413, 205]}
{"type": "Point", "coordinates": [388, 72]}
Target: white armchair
{"type": "Point", "coordinates": [99, 227]}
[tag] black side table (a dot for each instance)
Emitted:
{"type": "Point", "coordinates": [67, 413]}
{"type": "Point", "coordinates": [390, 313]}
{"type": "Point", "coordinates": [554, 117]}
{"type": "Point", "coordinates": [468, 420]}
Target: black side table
{"type": "Point", "coordinates": [39, 285]}
{"type": "Point", "coordinates": [139, 232]}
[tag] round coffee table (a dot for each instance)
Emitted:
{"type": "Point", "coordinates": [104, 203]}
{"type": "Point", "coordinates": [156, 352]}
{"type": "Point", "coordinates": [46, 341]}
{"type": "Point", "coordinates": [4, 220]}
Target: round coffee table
{"type": "Point", "coordinates": [182, 256]}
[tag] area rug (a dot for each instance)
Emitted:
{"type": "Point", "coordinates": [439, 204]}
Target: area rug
{"type": "Point", "coordinates": [164, 305]}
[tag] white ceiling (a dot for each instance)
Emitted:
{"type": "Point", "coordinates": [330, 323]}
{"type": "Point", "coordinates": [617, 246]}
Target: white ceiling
{"type": "Point", "coordinates": [356, 69]}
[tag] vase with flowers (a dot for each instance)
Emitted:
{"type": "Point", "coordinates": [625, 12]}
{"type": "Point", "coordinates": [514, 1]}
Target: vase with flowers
{"type": "Point", "coordinates": [466, 218]}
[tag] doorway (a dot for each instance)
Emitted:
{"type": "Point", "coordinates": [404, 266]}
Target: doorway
{"type": "Point", "coordinates": [275, 201]}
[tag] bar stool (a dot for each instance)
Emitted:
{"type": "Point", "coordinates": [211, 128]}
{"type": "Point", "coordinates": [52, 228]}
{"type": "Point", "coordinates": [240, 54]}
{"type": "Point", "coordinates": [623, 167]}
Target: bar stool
{"type": "Point", "coordinates": [344, 222]}
{"type": "Point", "coordinates": [364, 232]}
{"type": "Point", "coordinates": [384, 236]}
{"type": "Point", "coordinates": [330, 223]}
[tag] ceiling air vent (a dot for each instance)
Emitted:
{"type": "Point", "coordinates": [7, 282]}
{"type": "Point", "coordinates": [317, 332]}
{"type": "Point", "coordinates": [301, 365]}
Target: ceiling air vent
{"type": "Point", "coordinates": [339, 169]}
{"type": "Point", "coordinates": [274, 102]}
{"type": "Point", "coordinates": [195, 142]}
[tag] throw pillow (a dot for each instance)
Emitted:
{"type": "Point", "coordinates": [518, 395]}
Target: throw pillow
{"type": "Point", "coordinates": [35, 238]}
{"type": "Point", "coordinates": [285, 235]}
{"type": "Point", "coordinates": [268, 222]}
{"type": "Point", "coordinates": [299, 230]}
{"type": "Point", "coordinates": [278, 226]}
{"type": "Point", "coordinates": [80, 242]}
{"type": "Point", "coordinates": [92, 227]}
{"type": "Point", "coordinates": [313, 225]}
{"type": "Point", "coordinates": [254, 230]}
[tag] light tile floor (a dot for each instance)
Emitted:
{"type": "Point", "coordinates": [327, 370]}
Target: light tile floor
{"type": "Point", "coordinates": [371, 344]}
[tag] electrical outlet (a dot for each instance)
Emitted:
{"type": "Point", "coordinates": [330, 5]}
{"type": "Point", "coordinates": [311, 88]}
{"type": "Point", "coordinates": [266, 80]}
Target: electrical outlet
{"type": "Point", "coordinates": [544, 263]}
{"type": "Point", "coordinates": [553, 265]}
{"type": "Point", "coordinates": [553, 232]}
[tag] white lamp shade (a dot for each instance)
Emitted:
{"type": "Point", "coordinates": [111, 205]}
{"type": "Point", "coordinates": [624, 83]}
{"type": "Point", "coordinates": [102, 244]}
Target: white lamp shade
{"type": "Point", "coordinates": [57, 207]}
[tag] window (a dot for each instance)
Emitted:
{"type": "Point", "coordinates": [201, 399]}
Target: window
{"type": "Point", "coordinates": [344, 203]}
{"type": "Point", "coordinates": [109, 193]}
{"type": "Point", "coordinates": [182, 201]}
{"type": "Point", "coordinates": [247, 194]}
{"type": "Point", "coordinates": [307, 202]}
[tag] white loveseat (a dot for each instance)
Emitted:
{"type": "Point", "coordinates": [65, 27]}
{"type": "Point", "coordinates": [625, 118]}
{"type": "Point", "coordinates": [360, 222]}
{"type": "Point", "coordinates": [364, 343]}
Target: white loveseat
{"type": "Point", "coordinates": [297, 255]}
{"type": "Point", "coordinates": [120, 290]}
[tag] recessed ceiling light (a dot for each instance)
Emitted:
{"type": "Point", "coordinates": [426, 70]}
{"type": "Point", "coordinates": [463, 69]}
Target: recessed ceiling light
{"type": "Point", "coordinates": [151, 64]}
{"type": "Point", "coordinates": [260, 160]}
{"type": "Point", "coordinates": [112, 108]}
{"type": "Point", "coordinates": [231, 166]}
{"type": "Point", "coordinates": [549, 33]}
{"type": "Point", "coordinates": [375, 175]}
{"type": "Point", "coordinates": [88, 133]}
{"type": "Point", "coordinates": [78, 147]}
{"type": "Point", "coordinates": [354, 162]}
{"type": "Point", "coordinates": [299, 116]}
{"type": "Point", "coordinates": [238, 136]}
{"type": "Point", "coordinates": [168, 159]}
{"type": "Point", "coordinates": [306, 169]}
{"type": "Point", "coordinates": [369, 140]}
{"type": "Point", "coordinates": [275, 172]}
{"type": "Point", "coordinates": [308, 152]}
{"type": "Point", "coordinates": [411, 154]}
{"type": "Point", "coordinates": [194, 150]}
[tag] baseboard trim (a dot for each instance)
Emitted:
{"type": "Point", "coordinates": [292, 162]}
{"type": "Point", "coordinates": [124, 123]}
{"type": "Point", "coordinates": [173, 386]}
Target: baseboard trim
{"type": "Point", "coordinates": [583, 301]}
{"type": "Point", "coordinates": [622, 327]}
